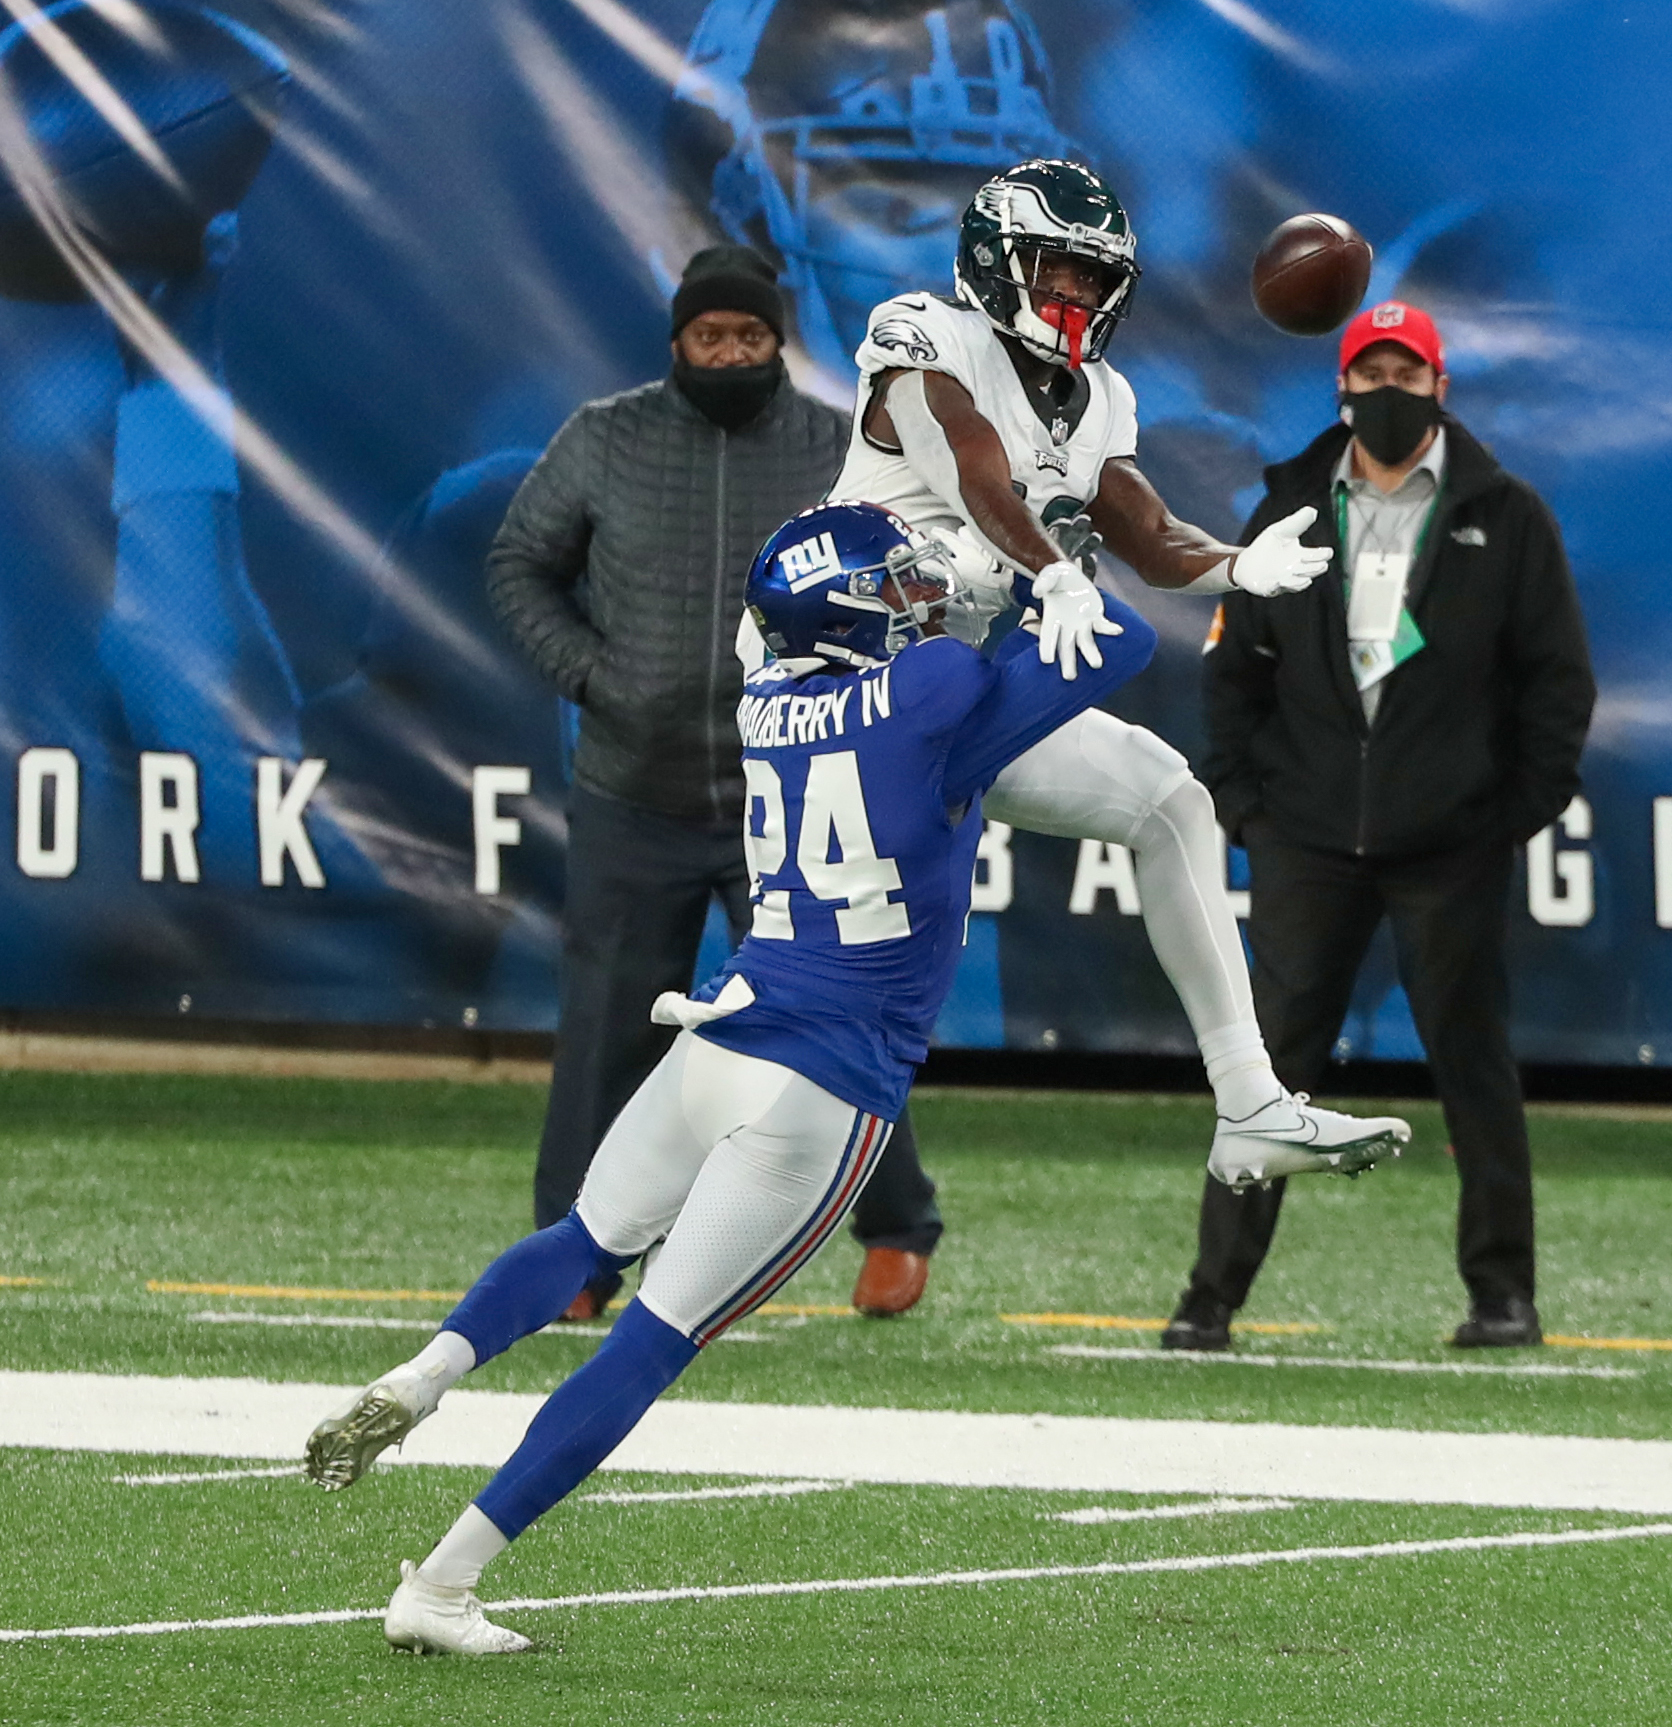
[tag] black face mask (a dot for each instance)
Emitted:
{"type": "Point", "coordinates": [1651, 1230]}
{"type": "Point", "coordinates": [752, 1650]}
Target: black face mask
{"type": "Point", "coordinates": [1389, 422]}
{"type": "Point", "coordinates": [730, 396]}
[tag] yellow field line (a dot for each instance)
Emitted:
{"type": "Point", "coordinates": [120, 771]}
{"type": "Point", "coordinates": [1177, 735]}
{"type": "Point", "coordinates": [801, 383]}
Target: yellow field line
{"type": "Point", "coordinates": [285, 1292]}
{"type": "Point", "coordinates": [1118, 1322]}
{"type": "Point", "coordinates": [282, 1292]}
{"type": "Point", "coordinates": [1609, 1342]}
{"type": "Point", "coordinates": [21, 1282]}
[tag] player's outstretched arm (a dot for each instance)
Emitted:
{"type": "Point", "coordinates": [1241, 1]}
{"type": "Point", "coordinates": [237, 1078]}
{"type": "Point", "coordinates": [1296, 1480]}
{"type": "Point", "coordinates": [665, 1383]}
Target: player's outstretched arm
{"type": "Point", "coordinates": [1026, 700]}
{"type": "Point", "coordinates": [955, 450]}
{"type": "Point", "coordinates": [1137, 527]}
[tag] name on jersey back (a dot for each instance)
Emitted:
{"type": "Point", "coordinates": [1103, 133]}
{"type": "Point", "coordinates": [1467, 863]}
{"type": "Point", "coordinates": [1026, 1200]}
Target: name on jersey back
{"type": "Point", "coordinates": [780, 722]}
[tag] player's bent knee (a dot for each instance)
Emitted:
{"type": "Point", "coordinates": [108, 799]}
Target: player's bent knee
{"type": "Point", "coordinates": [1189, 806]}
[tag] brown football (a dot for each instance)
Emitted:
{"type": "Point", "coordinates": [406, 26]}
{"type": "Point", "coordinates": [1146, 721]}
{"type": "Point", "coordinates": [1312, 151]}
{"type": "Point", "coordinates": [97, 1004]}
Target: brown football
{"type": "Point", "coordinates": [1310, 274]}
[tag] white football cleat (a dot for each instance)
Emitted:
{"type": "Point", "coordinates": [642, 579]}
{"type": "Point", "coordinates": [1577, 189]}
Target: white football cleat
{"type": "Point", "coordinates": [1292, 1136]}
{"type": "Point", "coordinates": [431, 1619]}
{"type": "Point", "coordinates": [341, 1448]}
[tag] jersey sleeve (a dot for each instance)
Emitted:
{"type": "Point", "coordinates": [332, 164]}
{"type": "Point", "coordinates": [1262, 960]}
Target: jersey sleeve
{"type": "Point", "coordinates": [919, 333]}
{"type": "Point", "coordinates": [1029, 698]}
{"type": "Point", "coordinates": [1121, 436]}
{"type": "Point", "coordinates": [938, 683]}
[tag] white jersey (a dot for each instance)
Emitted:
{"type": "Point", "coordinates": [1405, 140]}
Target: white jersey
{"type": "Point", "coordinates": [1056, 455]}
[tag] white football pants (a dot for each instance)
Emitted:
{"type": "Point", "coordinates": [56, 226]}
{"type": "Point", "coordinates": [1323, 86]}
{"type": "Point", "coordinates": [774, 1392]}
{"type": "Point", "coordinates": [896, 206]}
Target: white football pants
{"type": "Point", "coordinates": [1099, 778]}
{"type": "Point", "coordinates": [745, 1166]}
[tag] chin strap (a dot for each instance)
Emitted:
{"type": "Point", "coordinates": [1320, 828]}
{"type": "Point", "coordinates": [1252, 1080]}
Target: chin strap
{"type": "Point", "coordinates": [1072, 321]}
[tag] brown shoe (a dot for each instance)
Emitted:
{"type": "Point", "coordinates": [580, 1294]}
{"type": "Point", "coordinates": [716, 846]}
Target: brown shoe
{"type": "Point", "coordinates": [592, 1302]}
{"type": "Point", "coordinates": [891, 1281]}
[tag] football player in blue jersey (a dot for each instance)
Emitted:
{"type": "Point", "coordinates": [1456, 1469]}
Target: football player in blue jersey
{"type": "Point", "coordinates": [867, 744]}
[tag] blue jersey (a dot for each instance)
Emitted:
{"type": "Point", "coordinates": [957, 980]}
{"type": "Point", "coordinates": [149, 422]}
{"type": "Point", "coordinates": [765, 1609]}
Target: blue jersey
{"type": "Point", "coordinates": [861, 827]}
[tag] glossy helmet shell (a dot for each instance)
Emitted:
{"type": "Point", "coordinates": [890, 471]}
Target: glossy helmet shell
{"type": "Point", "coordinates": [819, 587]}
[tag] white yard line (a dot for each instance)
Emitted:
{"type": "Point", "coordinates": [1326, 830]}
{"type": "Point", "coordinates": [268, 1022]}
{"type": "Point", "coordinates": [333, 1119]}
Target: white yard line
{"type": "Point", "coordinates": [1161, 1513]}
{"type": "Point", "coordinates": [316, 1321]}
{"type": "Point", "coordinates": [1526, 1369]}
{"type": "Point", "coordinates": [183, 1480]}
{"type": "Point", "coordinates": [754, 1490]}
{"type": "Point", "coordinates": [931, 1580]}
{"type": "Point", "coordinates": [259, 1422]}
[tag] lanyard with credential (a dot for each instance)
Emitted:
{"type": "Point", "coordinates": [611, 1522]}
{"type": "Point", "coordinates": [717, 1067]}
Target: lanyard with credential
{"type": "Point", "coordinates": [1407, 637]}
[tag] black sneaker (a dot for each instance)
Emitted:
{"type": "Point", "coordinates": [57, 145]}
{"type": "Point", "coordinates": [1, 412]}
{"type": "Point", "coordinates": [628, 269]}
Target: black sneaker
{"type": "Point", "coordinates": [1201, 1322]}
{"type": "Point", "coordinates": [1511, 1324]}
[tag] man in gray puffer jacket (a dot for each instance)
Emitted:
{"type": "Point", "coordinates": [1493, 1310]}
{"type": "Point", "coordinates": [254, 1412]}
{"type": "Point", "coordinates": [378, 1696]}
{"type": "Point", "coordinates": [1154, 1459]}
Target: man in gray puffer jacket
{"type": "Point", "coordinates": [619, 569]}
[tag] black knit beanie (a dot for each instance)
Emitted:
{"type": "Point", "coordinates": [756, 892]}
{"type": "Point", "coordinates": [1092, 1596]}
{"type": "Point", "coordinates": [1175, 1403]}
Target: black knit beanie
{"type": "Point", "coordinates": [729, 279]}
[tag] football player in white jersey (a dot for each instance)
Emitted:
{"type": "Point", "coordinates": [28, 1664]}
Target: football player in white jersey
{"type": "Point", "coordinates": [991, 419]}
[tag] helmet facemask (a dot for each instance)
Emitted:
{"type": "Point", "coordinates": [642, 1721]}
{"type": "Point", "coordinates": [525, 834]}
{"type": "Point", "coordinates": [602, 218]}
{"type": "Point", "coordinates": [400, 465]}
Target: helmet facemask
{"type": "Point", "coordinates": [1065, 329]}
{"type": "Point", "coordinates": [912, 587]}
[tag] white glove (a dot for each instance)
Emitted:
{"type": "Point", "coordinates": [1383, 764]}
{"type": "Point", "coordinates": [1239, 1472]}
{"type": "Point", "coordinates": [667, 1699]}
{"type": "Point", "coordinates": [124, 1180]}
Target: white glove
{"type": "Point", "coordinates": [1071, 618]}
{"type": "Point", "coordinates": [973, 566]}
{"type": "Point", "coordinates": [1276, 562]}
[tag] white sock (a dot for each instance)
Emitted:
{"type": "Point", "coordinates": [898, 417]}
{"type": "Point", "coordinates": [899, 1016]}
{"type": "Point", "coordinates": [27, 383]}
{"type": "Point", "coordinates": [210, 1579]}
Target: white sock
{"type": "Point", "coordinates": [458, 1558]}
{"type": "Point", "coordinates": [1239, 1070]}
{"type": "Point", "coordinates": [435, 1369]}
{"type": "Point", "coordinates": [1179, 862]}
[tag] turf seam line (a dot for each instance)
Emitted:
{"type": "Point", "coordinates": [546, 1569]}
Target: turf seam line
{"type": "Point", "coordinates": [858, 1585]}
{"type": "Point", "coordinates": [1202, 1358]}
{"type": "Point", "coordinates": [1122, 1322]}
{"type": "Point", "coordinates": [293, 1292]}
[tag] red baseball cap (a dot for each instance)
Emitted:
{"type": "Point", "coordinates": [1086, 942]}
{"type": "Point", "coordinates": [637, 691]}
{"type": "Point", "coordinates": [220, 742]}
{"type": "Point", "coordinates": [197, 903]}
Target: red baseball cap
{"type": "Point", "coordinates": [1394, 321]}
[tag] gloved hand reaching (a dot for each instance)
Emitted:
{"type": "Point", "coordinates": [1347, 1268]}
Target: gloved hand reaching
{"type": "Point", "coordinates": [1071, 618]}
{"type": "Point", "coordinates": [1276, 562]}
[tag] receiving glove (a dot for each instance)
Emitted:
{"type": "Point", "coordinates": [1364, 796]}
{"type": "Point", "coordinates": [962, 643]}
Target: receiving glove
{"type": "Point", "coordinates": [1071, 618]}
{"type": "Point", "coordinates": [1276, 562]}
{"type": "Point", "coordinates": [1079, 542]}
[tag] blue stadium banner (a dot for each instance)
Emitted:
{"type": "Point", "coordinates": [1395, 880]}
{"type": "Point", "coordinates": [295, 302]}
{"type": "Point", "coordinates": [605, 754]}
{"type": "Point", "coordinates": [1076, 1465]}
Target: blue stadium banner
{"type": "Point", "coordinates": [292, 294]}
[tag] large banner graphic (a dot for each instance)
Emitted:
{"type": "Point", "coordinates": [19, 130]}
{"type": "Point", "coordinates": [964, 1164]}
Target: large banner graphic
{"type": "Point", "coordinates": [293, 292]}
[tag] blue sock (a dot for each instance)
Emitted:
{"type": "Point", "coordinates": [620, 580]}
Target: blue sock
{"type": "Point", "coordinates": [529, 1286]}
{"type": "Point", "coordinates": [584, 1420]}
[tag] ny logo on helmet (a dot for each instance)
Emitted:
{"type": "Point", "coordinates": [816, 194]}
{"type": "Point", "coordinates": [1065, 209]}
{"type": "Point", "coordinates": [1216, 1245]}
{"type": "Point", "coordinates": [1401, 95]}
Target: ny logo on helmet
{"type": "Point", "coordinates": [812, 561]}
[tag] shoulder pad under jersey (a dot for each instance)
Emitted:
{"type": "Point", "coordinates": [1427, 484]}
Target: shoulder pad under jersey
{"type": "Point", "coordinates": [923, 332]}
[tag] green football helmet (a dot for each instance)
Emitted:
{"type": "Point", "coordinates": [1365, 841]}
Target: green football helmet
{"type": "Point", "coordinates": [1029, 214]}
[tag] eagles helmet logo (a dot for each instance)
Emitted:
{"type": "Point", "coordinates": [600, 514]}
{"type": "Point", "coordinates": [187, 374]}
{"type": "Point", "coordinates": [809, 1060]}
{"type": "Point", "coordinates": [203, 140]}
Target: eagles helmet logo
{"type": "Point", "coordinates": [903, 336]}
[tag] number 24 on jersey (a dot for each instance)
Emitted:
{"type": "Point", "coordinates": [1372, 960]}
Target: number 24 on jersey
{"type": "Point", "coordinates": [832, 810]}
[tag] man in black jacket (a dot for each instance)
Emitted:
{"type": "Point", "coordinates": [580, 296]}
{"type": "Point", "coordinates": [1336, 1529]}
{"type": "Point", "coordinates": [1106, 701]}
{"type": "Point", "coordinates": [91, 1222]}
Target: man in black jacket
{"type": "Point", "coordinates": [1381, 743]}
{"type": "Point", "coordinates": [619, 569]}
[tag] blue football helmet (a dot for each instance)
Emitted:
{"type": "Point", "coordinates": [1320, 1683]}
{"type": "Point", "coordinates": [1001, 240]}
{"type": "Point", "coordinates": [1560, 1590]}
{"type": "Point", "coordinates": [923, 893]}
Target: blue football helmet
{"type": "Point", "coordinates": [846, 581]}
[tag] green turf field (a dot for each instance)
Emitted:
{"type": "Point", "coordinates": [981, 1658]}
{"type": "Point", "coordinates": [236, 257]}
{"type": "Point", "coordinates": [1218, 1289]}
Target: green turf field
{"type": "Point", "coordinates": [1055, 1205]}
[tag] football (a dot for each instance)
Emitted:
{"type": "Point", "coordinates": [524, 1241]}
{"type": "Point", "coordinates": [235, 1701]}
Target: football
{"type": "Point", "coordinates": [206, 92]}
{"type": "Point", "coordinates": [1311, 274]}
